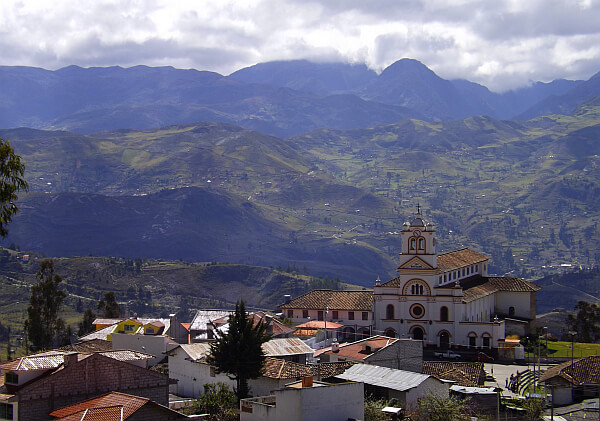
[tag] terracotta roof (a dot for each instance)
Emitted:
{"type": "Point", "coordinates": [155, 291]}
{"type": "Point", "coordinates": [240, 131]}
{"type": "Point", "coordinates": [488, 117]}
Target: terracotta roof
{"type": "Point", "coordinates": [129, 403]}
{"type": "Point", "coordinates": [496, 284]}
{"type": "Point", "coordinates": [334, 300]}
{"type": "Point", "coordinates": [393, 283]}
{"type": "Point", "coordinates": [459, 258]}
{"type": "Point", "coordinates": [276, 368]}
{"type": "Point", "coordinates": [320, 324]}
{"type": "Point", "coordinates": [110, 413]}
{"type": "Point", "coordinates": [355, 350]}
{"type": "Point", "coordinates": [464, 374]}
{"type": "Point", "coordinates": [583, 371]}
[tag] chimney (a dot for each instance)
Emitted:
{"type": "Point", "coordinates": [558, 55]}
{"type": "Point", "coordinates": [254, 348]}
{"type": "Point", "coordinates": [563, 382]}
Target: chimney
{"type": "Point", "coordinates": [70, 359]}
{"type": "Point", "coordinates": [307, 381]}
{"type": "Point", "coordinates": [335, 346]}
{"type": "Point", "coordinates": [287, 298]}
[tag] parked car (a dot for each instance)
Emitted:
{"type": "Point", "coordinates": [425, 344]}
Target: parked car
{"type": "Point", "coordinates": [451, 355]}
{"type": "Point", "coordinates": [480, 356]}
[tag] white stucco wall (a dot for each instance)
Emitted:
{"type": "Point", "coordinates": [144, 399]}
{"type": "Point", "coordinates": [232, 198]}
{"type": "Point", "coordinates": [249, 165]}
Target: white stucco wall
{"type": "Point", "coordinates": [154, 345]}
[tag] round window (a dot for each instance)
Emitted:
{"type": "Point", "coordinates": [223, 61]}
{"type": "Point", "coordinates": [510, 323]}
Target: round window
{"type": "Point", "coordinates": [417, 311]}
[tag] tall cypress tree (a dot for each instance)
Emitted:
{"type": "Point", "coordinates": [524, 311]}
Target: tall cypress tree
{"type": "Point", "coordinates": [43, 325]}
{"type": "Point", "coordinates": [239, 351]}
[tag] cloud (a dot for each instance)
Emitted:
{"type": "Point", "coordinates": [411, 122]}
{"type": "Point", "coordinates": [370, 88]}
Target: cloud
{"type": "Point", "coordinates": [501, 44]}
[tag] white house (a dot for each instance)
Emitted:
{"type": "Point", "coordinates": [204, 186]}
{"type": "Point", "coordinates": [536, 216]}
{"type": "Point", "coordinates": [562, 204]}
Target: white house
{"type": "Point", "coordinates": [388, 383]}
{"type": "Point", "coordinates": [307, 400]}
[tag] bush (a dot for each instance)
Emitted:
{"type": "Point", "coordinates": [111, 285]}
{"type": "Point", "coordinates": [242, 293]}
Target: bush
{"type": "Point", "coordinates": [218, 401]}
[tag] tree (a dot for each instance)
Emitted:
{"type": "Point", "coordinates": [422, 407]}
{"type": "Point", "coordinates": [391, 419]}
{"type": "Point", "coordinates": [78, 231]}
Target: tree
{"type": "Point", "coordinates": [218, 401]}
{"type": "Point", "coordinates": [434, 408]}
{"type": "Point", "coordinates": [11, 181]}
{"type": "Point", "coordinates": [43, 324]}
{"type": "Point", "coordinates": [86, 325]}
{"type": "Point", "coordinates": [586, 323]}
{"type": "Point", "coordinates": [239, 351]}
{"type": "Point", "coordinates": [109, 307]}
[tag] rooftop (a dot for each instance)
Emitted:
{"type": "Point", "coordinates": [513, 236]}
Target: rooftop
{"type": "Point", "coordinates": [390, 378]}
{"type": "Point", "coordinates": [459, 258]}
{"type": "Point", "coordinates": [464, 374]}
{"type": "Point", "coordinates": [322, 299]}
{"type": "Point", "coordinates": [364, 348]}
{"type": "Point", "coordinates": [481, 287]}
{"type": "Point", "coordinates": [583, 371]}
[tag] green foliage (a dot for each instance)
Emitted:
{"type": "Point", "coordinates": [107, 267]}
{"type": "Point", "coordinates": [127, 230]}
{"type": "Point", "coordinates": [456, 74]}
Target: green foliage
{"type": "Point", "coordinates": [86, 326]}
{"type": "Point", "coordinates": [43, 324]}
{"type": "Point", "coordinates": [534, 408]}
{"type": "Point", "coordinates": [586, 323]}
{"type": "Point", "coordinates": [239, 351]}
{"type": "Point", "coordinates": [11, 181]}
{"type": "Point", "coordinates": [218, 401]}
{"type": "Point", "coordinates": [373, 409]}
{"type": "Point", "coordinates": [109, 307]}
{"type": "Point", "coordinates": [434, 408]}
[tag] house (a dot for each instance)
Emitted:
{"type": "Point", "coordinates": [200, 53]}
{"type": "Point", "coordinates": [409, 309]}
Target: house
{"type": "Point", "coordinates": [116, 406]}
{"type": "Point", "coordinates": [156, 345]}
{"type": "Point", "coordinates": [449, 300]}
{"type": "Point", "coordinates": [470, 374]}
{"type": "Point", "coordinates": [290, 349]}
{"type": "Point", "coordinates": [307, 400]}
{"type": "Point", "coordinates": [388, 383]}
{"type": "Point", "coordinates": [485, 399]}
{"type": "Point", "coordinates": [404, 354]}
{"type": "Point", "coordinates": [201, 324]}
{"type": "Point", "coordinates": [574, 380]}
{"type": "Point", "coordinates": [352, 309]}
{"type": "Point", "coordinates": [36, 385]}
{"type": "Point", "coordinates": [170, 327]}
{"type": "Point", "coordinates": [187, 364]}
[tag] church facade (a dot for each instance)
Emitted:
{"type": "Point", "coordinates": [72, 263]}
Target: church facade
{"type": "Point", "coordinates": [448, 300]}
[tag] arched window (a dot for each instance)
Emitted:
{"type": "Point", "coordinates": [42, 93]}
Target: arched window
{"type": "Point", "coordinates": [389, 312]}
{"type": "Point", "coordinates": [444, 314]}
{"type": "Point", "coordinates": [421, 243]}
{"type": "Point", "coordinates": [390, 333]}
{"type": "Point", "coordinates": [413, 244]}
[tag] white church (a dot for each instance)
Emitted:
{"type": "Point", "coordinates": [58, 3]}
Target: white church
{"type": "Point", "coordinates": [448, 300]}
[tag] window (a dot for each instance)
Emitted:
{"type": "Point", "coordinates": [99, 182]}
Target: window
{"type": "Point", "coordinates": [417, 311]}
{"type": "Point", "coordinates": [416, 289]}
{"type": "Point", "coordinates": [334, 314]}
{"type": "Point", "coordinates": [389, 312]}
{"type": "Point", "coordinates": [511, 311]}
{"type": "Point", "coordinates": [486, 341]}
{"type": "Point", "coordinates": [472, 341]}
{"type": "Point", "coordinates": [413, 244]}
{"type": "Point", "coordinates": [351, 315]}
{"type": "Point", "coordinates": [444, 314]}
{"type": "Point", "coordinates": [390, 333]}
{"type": "Point", "coordinates": [290, 314]}
{"type": "Point", "coordinates": [463, 272]}
{"type": "Point", "coordinates": [129, 328]}
{"type": "Point", "coordinates": [320, 315]}
{"type": "Point", "coordinates": [421, 244]}
{"type": "Point", "coordinates": [150, 330]}
{"type": "Point", "coordinates": [365, 315]}
{"type": "Point", "coordinates": [305, 314]}
{"type": "Point", "coordinates": [6, 411]}
{"type": "Point", "coordinates": [11, 378]}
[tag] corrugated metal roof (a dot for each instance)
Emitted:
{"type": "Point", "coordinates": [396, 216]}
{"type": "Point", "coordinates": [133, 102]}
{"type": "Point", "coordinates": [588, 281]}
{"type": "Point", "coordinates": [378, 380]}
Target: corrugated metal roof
{"type": "Point", "coordinates": [127, 355]}
{"type": "Point", "coordinates": [196, 351]}
{"type": "Point", "coordinates": [473, 390]}
{"type": "Point", "coordinates": [204, 317]}
{"type": "Point", "coordinates": [383, 377]}
{"type": "Point", "coordinates": [42, 362]}
{"type": "Point", "coordinates": [286, 346]}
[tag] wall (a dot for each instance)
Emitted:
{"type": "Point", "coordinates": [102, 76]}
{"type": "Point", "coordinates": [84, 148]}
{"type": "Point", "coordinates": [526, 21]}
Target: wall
{"type": "Point", "coordinates": [404, 354]}
{"type": "Point", "coordinates": [149, 344]}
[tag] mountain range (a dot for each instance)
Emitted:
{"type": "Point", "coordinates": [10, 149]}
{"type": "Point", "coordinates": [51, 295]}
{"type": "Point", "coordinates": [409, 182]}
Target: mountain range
{"type": "Point", "coordinates": [278, 98]}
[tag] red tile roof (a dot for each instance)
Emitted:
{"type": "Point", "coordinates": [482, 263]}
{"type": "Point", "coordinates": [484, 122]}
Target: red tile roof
{"type": "Point", "coordinates": [355, 350]}
{"type": "Point", "coordinates": [129, 403]}
{"type": "Point", "coordinates": [497, 284]}
{"type": "Point", "coordinates": [582, 371]}
{"type": "Point", "coordinates": [334, 300]}
{"type": "Point", "coordinates": [464, 374]}
{"type": "Point", "coordinates": [276, 368]}
{"type": "Point", "coordinates": [459, 258]}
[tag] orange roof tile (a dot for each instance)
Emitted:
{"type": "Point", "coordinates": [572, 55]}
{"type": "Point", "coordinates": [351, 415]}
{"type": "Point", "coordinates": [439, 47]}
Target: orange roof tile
{"type": "Point", "coordinates": [276, 368]}
{"type": "Point", "coordinates": [319, 324]}
{"type": "Point", "coordinates": [496, 284]}
{"type": "Point", "coordinates": [583, 371]}
{"type": "Point", "coordinates": [355, 350]}
{"type": "Point", "coordinates": [459, 258]}
{"type": "Point", "coordinates": [321, 299]}
{"type": "Point", "coordinates": [129, 403]}
{"type": "Point", "coordinates": [464, 374]}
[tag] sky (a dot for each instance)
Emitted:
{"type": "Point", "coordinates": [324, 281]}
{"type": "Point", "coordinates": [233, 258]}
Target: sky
{"type": "Point", "coordinates": [502, 44]}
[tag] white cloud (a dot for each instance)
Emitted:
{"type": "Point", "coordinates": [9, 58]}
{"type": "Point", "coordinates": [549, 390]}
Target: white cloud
{"type": "Point", "coordinates": [501, 44]}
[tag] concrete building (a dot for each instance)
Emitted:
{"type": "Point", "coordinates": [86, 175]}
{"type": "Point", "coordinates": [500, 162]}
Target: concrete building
{"type": "Point", "coordinates": [404, 354]}
{"type": "Point", "coordinates": [307, 400]}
